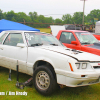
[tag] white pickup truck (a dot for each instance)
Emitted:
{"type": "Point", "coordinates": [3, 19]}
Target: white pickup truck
{"type": "Point", "coordinates": [42, 56]}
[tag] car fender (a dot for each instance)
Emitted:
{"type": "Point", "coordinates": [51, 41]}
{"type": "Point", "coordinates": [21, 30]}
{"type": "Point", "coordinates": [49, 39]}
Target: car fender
{"type": "Point", "coordinates": [32, 66]}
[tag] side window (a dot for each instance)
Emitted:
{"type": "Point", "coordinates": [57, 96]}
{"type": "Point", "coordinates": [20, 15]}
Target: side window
{"type": "Point", "coordinates": [13, 39]}
{"type": "Point", "coordinates": [67, 37]}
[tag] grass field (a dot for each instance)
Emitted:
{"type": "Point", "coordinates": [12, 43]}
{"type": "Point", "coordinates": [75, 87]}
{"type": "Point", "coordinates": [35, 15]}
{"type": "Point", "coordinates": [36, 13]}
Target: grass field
{"type": "Point", "coordinates": [79, 93]}
{"type": "Point", "coordinates": [47, 30]}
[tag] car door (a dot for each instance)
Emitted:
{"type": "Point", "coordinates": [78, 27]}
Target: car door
{"type": "Point", "coordinates": [14, 55]}
{"type": "Point", "coordinates": [66, 38]}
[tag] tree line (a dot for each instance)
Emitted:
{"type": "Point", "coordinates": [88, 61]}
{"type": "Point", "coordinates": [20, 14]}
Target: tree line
{"type": "Point", "coordinates": [40, 21]}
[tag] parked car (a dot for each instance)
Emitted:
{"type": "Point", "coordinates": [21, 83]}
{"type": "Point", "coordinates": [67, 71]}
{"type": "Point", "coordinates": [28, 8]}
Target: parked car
{"type": "Point", "coordinates": [72, 27]}
{"type": "Point", "coordinates": [50, 63]}
{"type": "Point", "coordinates": [77, 39]}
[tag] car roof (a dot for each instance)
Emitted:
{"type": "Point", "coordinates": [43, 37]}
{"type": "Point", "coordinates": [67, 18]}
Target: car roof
{"type": "Point", "coordinates": [21, 31]}
{"type": "Point", "coordinates": [74, 31]}
{"type": "Point", "coordinates": [18, 31]}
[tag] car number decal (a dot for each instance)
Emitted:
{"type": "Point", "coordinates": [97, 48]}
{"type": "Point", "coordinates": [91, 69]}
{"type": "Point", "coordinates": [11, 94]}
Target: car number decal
{"type": "Point", "coordinates": [28, 36]}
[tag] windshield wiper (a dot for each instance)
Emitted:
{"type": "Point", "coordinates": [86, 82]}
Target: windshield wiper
{"type": "Point", "coordinates": [37, 44]}
{"type": "Point", "coordinates": [85, 43]}
{"type": "Point", "coordinates": [54, 44]}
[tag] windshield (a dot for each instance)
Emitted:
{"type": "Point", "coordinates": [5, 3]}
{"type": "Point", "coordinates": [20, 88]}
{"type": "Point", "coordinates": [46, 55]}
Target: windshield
{"type": "Point", "coordinates": [37, 39]}
{"type": "Point", "coordinates": [86, 38]}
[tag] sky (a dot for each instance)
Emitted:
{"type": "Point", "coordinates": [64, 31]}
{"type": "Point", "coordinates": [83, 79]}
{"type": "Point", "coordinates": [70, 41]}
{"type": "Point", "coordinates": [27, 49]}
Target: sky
{"type": "Point", "coordinates": [53, 8]}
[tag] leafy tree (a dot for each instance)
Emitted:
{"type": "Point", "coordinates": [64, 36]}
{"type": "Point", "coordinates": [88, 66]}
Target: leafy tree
{"type": "Point", "coordinates": [22, 17]}
{"type": "Point", "coordinates": [58, 21]}
{"type": "Point", "coordinates": [67, 19]}
{"type": "Point", "coordinates": [93, 14]}
{"type": "Point", "coordinates": [48, 20]}
{"type": "Point", "coordinates": [41, 19]}
{"type": "Point", "coordinates": [1, 14]}
{"type": "Point", "coordinates": [78, 17]}
{"type": "Point", "coordinates": [11, 15]}
{"type": "Point", "coordinates": [4, 15]}
{"type": "Point", "coordinates": [33, 16]}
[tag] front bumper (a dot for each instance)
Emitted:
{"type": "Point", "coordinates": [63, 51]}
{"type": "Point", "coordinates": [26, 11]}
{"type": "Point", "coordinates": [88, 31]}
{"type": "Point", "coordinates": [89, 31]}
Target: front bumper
{"type": "Point", "coordinates": [73, 79]}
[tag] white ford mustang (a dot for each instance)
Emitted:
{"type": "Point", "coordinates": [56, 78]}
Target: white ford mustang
{"type": "Point", "coordinates": [50, 63]}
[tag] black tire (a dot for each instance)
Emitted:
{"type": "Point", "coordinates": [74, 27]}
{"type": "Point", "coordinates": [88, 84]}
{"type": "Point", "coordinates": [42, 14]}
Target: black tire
{"type": "Point", "coordinates": [44, 81]}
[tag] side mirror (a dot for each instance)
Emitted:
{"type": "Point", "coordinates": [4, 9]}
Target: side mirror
{"type": "Point", "coordinates": [74, 42]}
{"type": "Point", "coordinates": [22, 45]}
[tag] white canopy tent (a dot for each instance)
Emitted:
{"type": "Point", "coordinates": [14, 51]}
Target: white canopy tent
{"type": "Point", "coordinates": [97, 27]}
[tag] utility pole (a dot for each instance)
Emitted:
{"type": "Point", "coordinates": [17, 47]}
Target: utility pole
{"type": "Point", "coordinates": [83, 12]}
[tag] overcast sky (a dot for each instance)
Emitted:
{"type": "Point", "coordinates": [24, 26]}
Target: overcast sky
{"type": "Point", "coordinates": [53, 8]}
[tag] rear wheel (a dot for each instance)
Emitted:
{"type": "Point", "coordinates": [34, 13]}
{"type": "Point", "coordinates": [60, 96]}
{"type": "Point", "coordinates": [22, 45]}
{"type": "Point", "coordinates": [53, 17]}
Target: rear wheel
{"type": "Point", "coordinates": [44, 81]}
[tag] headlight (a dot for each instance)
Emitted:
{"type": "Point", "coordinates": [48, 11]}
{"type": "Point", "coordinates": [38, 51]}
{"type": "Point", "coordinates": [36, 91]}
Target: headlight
{"type": "Point", "coordinates": [78, 65]}
{"type": "Point", "coordinates": [81, 65]}
{"type": "Point", "coordinates": [84, 65]}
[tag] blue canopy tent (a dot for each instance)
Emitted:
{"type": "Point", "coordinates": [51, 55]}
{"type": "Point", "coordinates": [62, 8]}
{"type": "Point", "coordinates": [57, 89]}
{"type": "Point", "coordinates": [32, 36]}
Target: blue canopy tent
{"type": "Point", "coordinates": [10, 25]}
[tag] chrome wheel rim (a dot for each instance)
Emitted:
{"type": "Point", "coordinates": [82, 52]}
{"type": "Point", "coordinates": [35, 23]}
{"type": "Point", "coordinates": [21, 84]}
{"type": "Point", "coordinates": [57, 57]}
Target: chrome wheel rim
{"type": "Point", "coordinates": [42, 80]}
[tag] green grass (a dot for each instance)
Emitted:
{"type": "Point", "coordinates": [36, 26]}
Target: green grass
{"type": "Point", "coordinates": [78, 93]}
{"type": "Point", "coordinates": [47, 30]}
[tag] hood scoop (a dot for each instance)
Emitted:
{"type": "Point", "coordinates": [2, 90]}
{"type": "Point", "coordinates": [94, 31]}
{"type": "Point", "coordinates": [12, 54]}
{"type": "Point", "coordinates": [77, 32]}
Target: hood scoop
{"type": "Point", "coordinates": [74, 51]}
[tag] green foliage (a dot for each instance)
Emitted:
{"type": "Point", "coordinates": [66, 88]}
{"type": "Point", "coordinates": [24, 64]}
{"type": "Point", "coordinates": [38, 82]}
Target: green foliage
{"type": "Point", "coordinates": [58, 21]}
{"type": "Point", "coordinates": [40, 21]}
{"type": "Point", "coordinates": [11, 15]}
{"type": "Point", "coordinates": [93, 14]}
{"type": "Point", "coordinates": [77, 17]}
{"type": "Point", "coordinates": [1, 14]}
{"type": "Point", "coordinates": [67, 19]}
{"type": "Point", "coordinates": [33, 16]}
{"type": "Point", "coordinates": [23, 17]}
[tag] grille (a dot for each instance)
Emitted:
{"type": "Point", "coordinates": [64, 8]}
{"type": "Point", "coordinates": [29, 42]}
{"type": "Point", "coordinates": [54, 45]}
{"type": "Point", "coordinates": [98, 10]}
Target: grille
{"type": "Point", "coordinates": [96, 67]}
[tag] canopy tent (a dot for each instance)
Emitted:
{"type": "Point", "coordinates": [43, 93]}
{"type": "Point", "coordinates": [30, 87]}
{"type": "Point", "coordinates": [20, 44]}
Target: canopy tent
{"type": "Point", "coordinates": [97, 27]}
{"type": "Point", "coordinates": [10, 25]}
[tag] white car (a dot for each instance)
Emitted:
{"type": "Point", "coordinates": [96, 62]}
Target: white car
{"type": "Point", "coordinates": [42, 56]}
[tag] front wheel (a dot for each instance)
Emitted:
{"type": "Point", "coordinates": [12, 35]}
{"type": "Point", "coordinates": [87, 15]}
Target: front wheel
{"type": "Point", "coordinates": [44, 81]}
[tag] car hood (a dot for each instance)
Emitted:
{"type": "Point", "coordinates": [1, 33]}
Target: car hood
{"type": "Point", "coordinates": [76, 54]}
{"type": "Point", "coordinates": [95, 46]}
